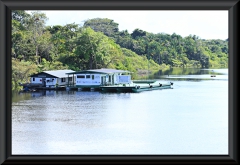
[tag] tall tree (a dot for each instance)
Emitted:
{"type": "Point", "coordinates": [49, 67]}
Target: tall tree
{"type": "Point", "coordinates": [138, 33]}
{"type": "Point", "coordinates": [105, 25]}
{"type": "Point", "coordinates": [36, 24]}
{"type": "Point", "coordinates": [93, 50]}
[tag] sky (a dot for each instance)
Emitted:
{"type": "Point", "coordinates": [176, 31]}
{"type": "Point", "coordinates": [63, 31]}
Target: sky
{"type": "Point", "coordinates": [205, 24]}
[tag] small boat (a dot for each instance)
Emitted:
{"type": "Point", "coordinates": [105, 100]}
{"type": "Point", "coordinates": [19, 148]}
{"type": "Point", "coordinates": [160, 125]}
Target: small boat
{"type": "Point", "coordinates": [153, 86]}
{"type": "Point", "coordinates": [213, 75]}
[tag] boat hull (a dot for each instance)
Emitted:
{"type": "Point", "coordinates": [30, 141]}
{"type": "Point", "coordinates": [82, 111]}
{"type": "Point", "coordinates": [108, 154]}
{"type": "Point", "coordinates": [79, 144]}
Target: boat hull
{"type": "Point", "coordinates": [151, 88]}
{"type": "Point", "coordinates": [144, 81]}
{"type": "Point", "coordinates": [136, 87]}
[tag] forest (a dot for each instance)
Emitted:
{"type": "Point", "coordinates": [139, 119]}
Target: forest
{"type": "Point", "coordinates": [98, 43]}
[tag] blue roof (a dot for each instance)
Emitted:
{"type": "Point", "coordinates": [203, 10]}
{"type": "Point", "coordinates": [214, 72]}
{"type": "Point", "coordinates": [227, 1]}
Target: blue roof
{"type": "Point", "coordinates": [103, 70]}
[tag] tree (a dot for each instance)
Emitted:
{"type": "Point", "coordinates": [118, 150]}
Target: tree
{"type": "Point", "coordinates": [138, 33]}
{"type": "Point", "coordinates": [36, 24]}
{"type": "Point", "coordinates": [100, 44]}
{"type": "Point", "coordinates": [21, 70]}
{"type": "Point", "coordinates": [19, 33]}
{"type": "Point", "coordinates": [104, 25]}
{"type": "Point", "coordinates": [93, 50]}
{"type": "Point", "coordinates": [21, 17]}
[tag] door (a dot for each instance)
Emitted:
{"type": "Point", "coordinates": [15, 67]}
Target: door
{"type": "Point", "coordinates": [44, 82]}
{"type": "Point", "coordinates": [112, 79]}
{"type": "Point", "coordinates": [101, 80]}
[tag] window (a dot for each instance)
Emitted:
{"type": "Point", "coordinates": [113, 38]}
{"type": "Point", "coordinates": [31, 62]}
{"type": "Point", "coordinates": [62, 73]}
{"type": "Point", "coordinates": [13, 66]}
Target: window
{"type": "Point", "coordinates": [33, 79]}
{"type": "Point", "coordinates": [87, 76]}
{"type": "Point", "coordinates": [92, 77]}
{"type": "Point", "coordinates": [63, 79]}
{"type": "Point", "coordinates": [109, 78]}
{"type": "Point", "coordinates": [80, 76]}
{"type": "Point", "coordinates": [69, 78]}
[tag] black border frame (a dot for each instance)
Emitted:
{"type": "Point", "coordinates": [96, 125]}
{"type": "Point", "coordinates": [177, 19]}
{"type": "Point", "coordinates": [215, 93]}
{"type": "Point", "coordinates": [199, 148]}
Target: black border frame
{"type": "Point", "coordinates": [5, 74]}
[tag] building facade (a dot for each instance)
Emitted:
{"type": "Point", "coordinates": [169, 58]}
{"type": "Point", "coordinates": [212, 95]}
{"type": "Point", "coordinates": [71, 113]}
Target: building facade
{"type": "Point", "coordinates": [100, 77]}
{"type": "Point", "coordinates": [52, 78]}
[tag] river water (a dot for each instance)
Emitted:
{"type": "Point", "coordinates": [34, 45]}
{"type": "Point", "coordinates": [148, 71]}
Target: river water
{"type": "Point", "coordinates": [191, 118]}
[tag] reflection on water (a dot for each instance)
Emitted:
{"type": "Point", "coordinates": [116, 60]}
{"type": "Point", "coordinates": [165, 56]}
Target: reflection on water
{"type": "Point", "coordinates": [191, 118]}
{"type": "Point", "coordinates": [192, 71]}
{"type": "Point", "coordinates": [16, 97]}
{"type": "Point", "coordinates": [192, 74]}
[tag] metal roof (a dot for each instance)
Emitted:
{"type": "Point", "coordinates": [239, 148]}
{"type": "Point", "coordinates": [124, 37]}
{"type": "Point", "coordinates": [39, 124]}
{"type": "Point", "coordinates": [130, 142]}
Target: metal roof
{"type": "Point", "coordinates": [103, 70]}
{"type": "Point", "coordinates": [56, 73]}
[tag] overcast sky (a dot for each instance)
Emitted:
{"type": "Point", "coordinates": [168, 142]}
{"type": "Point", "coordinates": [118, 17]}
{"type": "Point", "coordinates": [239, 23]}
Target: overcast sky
{"type": "Point", "coordinates": [204, 24]}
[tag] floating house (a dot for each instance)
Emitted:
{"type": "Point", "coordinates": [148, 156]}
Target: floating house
{"type": "Point", "coordinates": [112, 80]}
{"type": "Point", "coordinates": [108, 80]}
{"type": "Point", "coordinates": [99, 77]}
{"type": "Point", "coordinates": [52, 79]}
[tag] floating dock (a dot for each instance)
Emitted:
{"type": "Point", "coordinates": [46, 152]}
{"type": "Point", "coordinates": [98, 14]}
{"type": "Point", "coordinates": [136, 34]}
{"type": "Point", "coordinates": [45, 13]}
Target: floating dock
{"type": "Point", "coordinates": [137, 87]}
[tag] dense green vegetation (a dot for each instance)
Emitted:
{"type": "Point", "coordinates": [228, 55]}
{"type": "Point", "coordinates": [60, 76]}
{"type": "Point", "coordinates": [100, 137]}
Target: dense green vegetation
{"type": "Point", "coordinates": [99, 44]}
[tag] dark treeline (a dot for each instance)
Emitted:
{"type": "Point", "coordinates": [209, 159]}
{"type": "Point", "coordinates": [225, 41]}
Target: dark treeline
{"type": "Point", "coordinates": [99, 44]}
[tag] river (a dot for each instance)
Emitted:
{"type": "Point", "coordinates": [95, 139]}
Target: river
{"type": "Point", "coordinates": [191, 118]}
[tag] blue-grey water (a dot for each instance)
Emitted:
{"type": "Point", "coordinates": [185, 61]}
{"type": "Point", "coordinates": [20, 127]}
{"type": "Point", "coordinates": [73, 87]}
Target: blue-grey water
{"type": "Point", "coordinates": [191, 118]}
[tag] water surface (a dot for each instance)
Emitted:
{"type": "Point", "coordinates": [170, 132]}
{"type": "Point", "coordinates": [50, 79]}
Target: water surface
{"type": "Point", "coordinates": [191, 118]}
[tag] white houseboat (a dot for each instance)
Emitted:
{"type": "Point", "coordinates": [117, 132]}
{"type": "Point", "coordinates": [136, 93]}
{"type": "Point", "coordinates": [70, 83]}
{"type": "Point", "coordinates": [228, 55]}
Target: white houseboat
{"type": "Point", "coordinates": [99, 77]}
{"type": "Point", "coordinates": [52, 79]}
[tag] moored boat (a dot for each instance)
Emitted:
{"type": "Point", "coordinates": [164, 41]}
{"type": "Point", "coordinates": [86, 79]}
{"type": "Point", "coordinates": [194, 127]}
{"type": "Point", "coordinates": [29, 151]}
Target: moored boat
{"type": "Point", "coordinates": [144, 81]}
{"type": "Point", "coordinates": [137, 87]}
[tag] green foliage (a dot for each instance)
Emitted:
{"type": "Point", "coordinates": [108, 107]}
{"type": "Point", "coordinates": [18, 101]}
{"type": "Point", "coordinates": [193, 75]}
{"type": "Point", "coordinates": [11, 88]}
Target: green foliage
{"type": "Point", "coordinates": [100, 44]}
{"type": "Point", "coordinates": [93, 50]}
{"type": "Point", "coordinates": [138, 64]}
{"type": "Point", "coordinates": [105, 25]}
{"type": "Point", "coordinates": [138, 33]}
{"type": "Point", "coordinates": [21, 70]}
{"type": "Point", "coordinates": [48, 65]}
